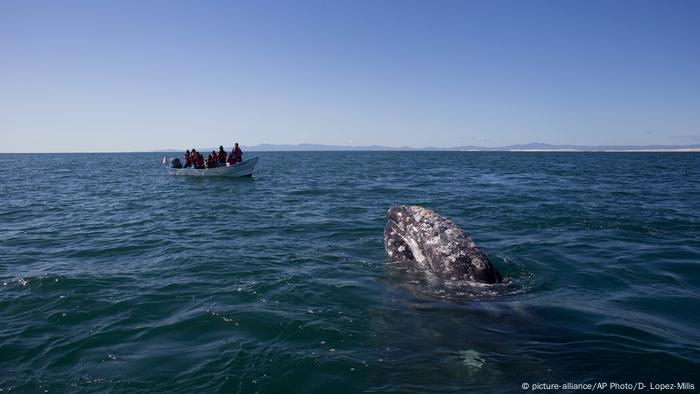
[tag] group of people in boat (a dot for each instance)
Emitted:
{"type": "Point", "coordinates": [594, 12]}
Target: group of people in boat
{"type": "Point", "coordinates": [194, 159]}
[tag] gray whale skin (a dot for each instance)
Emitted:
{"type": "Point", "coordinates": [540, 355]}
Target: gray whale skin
{"type": "Point", "coordinates": [435, 243]}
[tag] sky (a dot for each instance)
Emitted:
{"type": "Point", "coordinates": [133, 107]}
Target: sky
{"type": "Point", "coordinates": [94, 76]}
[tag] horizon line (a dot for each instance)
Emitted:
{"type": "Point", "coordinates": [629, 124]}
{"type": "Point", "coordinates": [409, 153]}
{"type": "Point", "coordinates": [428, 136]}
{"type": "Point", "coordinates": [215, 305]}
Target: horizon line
{"type": "Point", "coordinates": [529, 147]}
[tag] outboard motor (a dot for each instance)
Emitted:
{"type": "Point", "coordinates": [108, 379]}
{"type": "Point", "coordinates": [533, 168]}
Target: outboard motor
{"type": "Point", "coordinates": [175, 163]}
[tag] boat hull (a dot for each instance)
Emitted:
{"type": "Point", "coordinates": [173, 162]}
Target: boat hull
{"type": "Point", "coordinates": [244, 168]}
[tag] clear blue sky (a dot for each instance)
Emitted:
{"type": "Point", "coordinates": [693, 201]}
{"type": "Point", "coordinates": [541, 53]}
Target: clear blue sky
{"type": "Point", "coordinates": [144, 75]}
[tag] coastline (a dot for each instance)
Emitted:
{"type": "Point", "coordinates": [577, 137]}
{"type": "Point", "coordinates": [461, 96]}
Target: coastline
{"type": "Point", "coordinates": [684, 150]}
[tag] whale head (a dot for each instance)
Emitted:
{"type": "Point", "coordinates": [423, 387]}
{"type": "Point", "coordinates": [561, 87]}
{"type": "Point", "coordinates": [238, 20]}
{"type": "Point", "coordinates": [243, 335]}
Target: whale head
{"type": "Point", "coordinates": [435, 243]}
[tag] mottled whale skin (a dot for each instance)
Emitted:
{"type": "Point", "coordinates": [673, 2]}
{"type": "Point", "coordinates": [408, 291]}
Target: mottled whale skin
{"type": "Point", "coordinates": [435, 243]}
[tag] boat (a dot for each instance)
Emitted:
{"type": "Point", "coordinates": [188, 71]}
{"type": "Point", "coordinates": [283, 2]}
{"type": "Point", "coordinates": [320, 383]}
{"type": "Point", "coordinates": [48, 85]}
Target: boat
{"type": "Point", "coordinates": [244, 168]}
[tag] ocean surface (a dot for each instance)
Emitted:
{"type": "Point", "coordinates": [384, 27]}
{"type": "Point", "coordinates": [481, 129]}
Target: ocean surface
{"type": "Point", "coordinates": [115, 277]}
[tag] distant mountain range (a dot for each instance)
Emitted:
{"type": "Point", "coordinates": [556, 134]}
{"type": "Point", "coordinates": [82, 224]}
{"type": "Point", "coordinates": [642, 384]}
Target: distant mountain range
{"type": "Point", "coordinates": [533, 147]}
{"type": "Point", "coordinates": [520, 147]}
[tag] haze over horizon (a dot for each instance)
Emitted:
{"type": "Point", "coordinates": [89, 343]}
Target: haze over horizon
{"type": "Point", "coordinates": [131, 76]}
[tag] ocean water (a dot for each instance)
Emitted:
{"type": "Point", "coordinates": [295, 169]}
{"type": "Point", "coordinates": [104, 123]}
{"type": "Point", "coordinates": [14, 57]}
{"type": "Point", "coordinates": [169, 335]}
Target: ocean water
{"type": "Point", "coordinates": [115, 277]}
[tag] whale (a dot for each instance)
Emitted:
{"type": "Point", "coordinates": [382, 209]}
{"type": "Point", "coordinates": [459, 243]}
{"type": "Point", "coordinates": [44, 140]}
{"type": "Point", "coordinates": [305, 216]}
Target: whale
{"type": "Point", "coordinates": [434, 243]}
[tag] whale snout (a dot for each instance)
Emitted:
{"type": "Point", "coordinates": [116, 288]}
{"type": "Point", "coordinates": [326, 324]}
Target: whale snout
{"type": "Point", "coordinates": [435, 243]}
{"type": "Point", "coordinates": [405, 215]}
{"type": "Point", "coordinates": [397, 214]}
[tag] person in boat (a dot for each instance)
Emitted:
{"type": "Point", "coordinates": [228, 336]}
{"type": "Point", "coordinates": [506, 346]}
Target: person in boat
{"type": "Point", "coordinates": [222, 156]}
{"type": "Point", "coordinates": [210, 162]}
{"type": "Point", "coordinates": [214, 159]}
{"type": "Point", "coordinates": [194, 155]}
{"type": "Point", "coordinates": [188, 159]}
{"type": "Point", "coordinates": [199, 161]}
{"type": "Point", "coordinates": [236, 154]}
{"type": "Point", "coordinates": [175, 163]}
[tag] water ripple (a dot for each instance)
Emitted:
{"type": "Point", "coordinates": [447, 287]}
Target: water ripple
{"type": "Point", "coordinates": [116, 277]}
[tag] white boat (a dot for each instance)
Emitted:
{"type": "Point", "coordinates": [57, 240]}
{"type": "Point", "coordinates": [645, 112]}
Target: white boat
{"type": "Point", "coordinates": [244, 168]}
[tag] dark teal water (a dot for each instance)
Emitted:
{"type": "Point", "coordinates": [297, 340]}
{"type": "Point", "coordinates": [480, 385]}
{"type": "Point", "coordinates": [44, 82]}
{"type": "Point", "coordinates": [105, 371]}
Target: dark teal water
{"type": "Point", "coordinates": [115, 277]}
